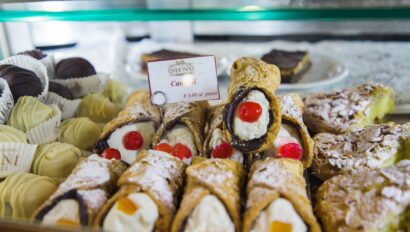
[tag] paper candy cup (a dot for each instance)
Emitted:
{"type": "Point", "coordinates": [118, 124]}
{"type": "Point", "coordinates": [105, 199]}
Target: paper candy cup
{"type": "Point", "coordinates": [47, 131]}
{"type": "Point", "coordinates": [16, 157]}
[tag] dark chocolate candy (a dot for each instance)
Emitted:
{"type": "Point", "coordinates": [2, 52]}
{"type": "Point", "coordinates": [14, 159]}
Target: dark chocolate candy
{"type": "Point", "coordinates": [74, 67]}
{"type": "Point", "coordinates": [36, 54]}
{"type": "Point", "coordinates": [22, 82]}
{"type": "Point", "coordinates": [60, 90]}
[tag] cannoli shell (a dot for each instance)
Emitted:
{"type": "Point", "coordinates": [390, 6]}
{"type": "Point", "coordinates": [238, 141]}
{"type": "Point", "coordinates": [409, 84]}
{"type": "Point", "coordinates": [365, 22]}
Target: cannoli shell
{"type": "Point", "coordinates": [272, 178]}
{"type": "Point", "coordinates": [201, 176]}
{"type": "Point", "coordinates": [215, 120]}
{"type": "Point", "coordinates": [159, 176]}
{"type": "Point", "coordinates": [253, 74]}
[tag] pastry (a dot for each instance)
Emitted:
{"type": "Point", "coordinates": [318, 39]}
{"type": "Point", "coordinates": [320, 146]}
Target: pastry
{"type": "Point", "coordinates": [132, 130]}
{"type": "Point", "coordinates": [10, 134]}
{"type": "Point", "coordinates": [97, 107]}
{"type": "Point", "coordinates": [211, 200]}
{"type": "Point", "coordinates": [216, 144]}
{"type": "Point", "coordinates": [60, 89]}
{"type": "Point", "coordinates": [80, 197]}
{"type": "Point", "coordinates": [277, 199]}
{"type": "Point", "coordinates": [148, 195]}
{"type": "Point", "coordinates": [116, 91]}
{"type": "Point", "coordinates": [340, 111]}
{"type": "Point", "coordinates": [35, 53]}
{"type": "Point", "coordinates": [293, 140]}
{"type": "Point", "coordinates": [252, 114]}
{"type": "Point", "coordinates": [292, 64]}
{"type": "Point", "coordinates": [80, 132]}
{"type": "Point", "coordinates": [163, 54]}
{"type": "Point", "coordinates": [55, 159]}
{"type": "Point", "coordinates": [182, 130]}
{"type": "Point", "coordinates": [22, 193]}
{"type": "Point", "coordinates": [74, 67]}
{"type": "Point", "coordinates": [374, 146]}
{"type": "Point", "coordinates": [371, 200]}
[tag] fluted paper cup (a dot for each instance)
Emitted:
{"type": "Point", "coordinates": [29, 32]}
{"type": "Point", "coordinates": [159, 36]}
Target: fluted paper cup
{"type": "Point", "coordinates": [67, 107]}
{"type": "Point", "coordinates": [16, 157]}
{"type": "Point", "coordinates": [47, 131]}
{"type": "Point", "coordinates": [81, 86]}
{"type": "Point", "coordinates": [6, 101]}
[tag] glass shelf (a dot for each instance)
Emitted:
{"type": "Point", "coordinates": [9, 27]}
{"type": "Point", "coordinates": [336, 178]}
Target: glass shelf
{"type": "Point", "coordinates": [159, 10]}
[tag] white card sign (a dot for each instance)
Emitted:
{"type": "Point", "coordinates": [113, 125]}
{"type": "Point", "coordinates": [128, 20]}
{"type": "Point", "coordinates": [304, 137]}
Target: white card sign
{"type": "Point", "coordinates": [183, 80]}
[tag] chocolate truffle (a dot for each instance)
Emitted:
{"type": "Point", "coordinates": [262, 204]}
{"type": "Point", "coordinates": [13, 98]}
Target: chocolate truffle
{"type": "Point", "coordinates": [10, 134]}
{"type": "Point", "coordinates": [74, 67]}
{"type": "Point", "coordinates": [36, 54]}
{"type": "Point", "coordinates": [97, 107]}
{"type": "Point", "coordinates": [60, 90]}
{"type": "Point", "coordinates": [80, 132]}
{"type": "Point", "coordinates": [22, 82]}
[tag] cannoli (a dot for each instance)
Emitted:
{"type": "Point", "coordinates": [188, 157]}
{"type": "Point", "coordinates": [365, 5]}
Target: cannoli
{"type": "Point", "coordinates": [80, 197]}
{"type": "Point", "coordinates": [293, 139]}
{"type": "Point", "coordinates": [372, 200]}
{"type": "Point", "coordinates": [132, 130]}
{"type": "Point", "coordinates": [277, 199]}
{"type": "Point", "coordinates": [216, 144]}
{"type": "Point", "coordinates": [374, 146]}
{"type": "Point", "coordinates": [252, 114]}
{"type": "Point", "coordinates": [182, 131]}
{"type": "Point", "coordinates": [211, 201]}
{"type": "Point", "coordinates": [341, 111]}
{"type": "Point", "coordinates": [148, 195]}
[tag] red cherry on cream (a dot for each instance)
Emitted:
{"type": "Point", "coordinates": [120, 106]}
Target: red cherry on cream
{"type": "Point", "coordinates": [165, 147]}
{"type": "Point", "coordinates": [222, 151]}
{"type": "Point", "coordinates": [111, 153]}
{"type": "Point", "coordinates": [181, 151]}
{"type": "Point", "coordinates": [132, 140]}
{"type": "Point", "coordinates": [249, 111]}
{"type": "Point", "coordinates": [291, 150]}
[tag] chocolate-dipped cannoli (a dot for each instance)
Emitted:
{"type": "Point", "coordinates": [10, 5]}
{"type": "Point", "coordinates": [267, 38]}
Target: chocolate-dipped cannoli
{"type": "Point", "coordinates": [252, 114]}
{"type": "Point", "coordinates": [182, 131]}
{"type": "Point", "coordinates": [211, 201]}
{"type": "Point", "coordinates": [132, 130]}
{"type": "Point", "coordinates": [293, 140]}
{"type": "Point", "coordinates": [80, 197]}
{"type": "Point", "coordinates": [148, 195]}
{"type": "Point", "coordinates": [374, 146]}
{"type": "Point", "coordinates": [277, 198]}
{"type": "Point", "coordinates": [372, 200]}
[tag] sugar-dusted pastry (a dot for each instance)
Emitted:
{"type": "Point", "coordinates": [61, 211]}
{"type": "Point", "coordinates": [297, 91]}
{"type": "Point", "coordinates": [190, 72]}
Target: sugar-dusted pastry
{"type": "Point", "coordinates": [80, 197]}
{"type": "Point", "coordinates": [132, 130]}
{"type": "Point", "coordinates": [182, 130]}
{"type": "Point", "coordinates": [164, 54]}
{"type": "Point", "coordinates": [371, 200]}
{"type": "Point", "coordinates": [148, 193]}
{"type": "Point", "coordinates": [211, 200]}
{"type": "Point", "coordinates": [97, 107]}
{"type": "Point", "coordinates": [10, 134]}
{"type": "Point", "coordinates": [22, 193]}
{"type": "Point", "coordinates": [216, 145]}
{"type": "Point", "coordinates": [80, 132]}
{"type": "Point", "coordinates": [340, 111]}
{"type": "Point", "coordinates": [277, 199]}
{"type": "Point", "coordinates": [252, 113]}
{"type": "Point", "coordinates": [116, 91]}
{"type": "Point", "coordinates": [293, 140]}
{"type": "Point", "coordinates": [55, 159]}
{"type": "Point", "coordinates": [374, 146]}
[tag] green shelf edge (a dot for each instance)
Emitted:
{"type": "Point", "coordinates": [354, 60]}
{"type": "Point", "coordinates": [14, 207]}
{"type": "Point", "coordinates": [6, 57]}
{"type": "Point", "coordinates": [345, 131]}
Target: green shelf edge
{"type": "Point", "coordinates": [206, 15]}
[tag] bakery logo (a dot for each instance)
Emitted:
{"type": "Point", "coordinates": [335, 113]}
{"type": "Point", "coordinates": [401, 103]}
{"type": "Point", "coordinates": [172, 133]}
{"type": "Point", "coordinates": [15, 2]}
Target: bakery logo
{"type": "Point", "coordinates": [181, 68]}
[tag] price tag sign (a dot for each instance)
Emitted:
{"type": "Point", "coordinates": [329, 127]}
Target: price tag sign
{"type": "Point", "coordinates": [183, 80]}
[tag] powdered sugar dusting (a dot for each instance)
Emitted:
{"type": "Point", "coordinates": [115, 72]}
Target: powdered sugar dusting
{"type": "Point", "coordinates": [289, 107]}
{"type": "Point", "coordinates": [94, 198]}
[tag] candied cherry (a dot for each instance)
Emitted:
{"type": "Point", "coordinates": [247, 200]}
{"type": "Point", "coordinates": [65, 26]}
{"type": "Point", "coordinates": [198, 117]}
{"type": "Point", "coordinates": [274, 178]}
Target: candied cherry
{"type": "Point", "coordinates": [291, 150]}
{"type": "Point", "coordinates": [111, 153]}
{"type": "Point", "coordinates": [132, 140]}
{"type": "Point", "coordinates": [181, 151]}
{"type": "Point", "coordinates": [222, 151]}
{"type": "Point", "coordinates": [249, 111]}
{"type": "Point", "coordinates": [165, 147]}
{"type": "Point", "coordinates": [126, 206]}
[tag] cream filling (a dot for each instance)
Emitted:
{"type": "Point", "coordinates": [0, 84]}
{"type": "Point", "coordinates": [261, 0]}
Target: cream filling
{"type": "Point", "coordinates": [253, 130]}
{"type": "Point", "coordinates": [67, 210]}
{"type": "Point", "coordinates": [280, 210]}
{"type": "Point", "coordinates": [143, 219]}
{"type": "Point", "coordinates": [287, 134]}
{"type": "Point", "coordinates": [219, 138]}
{"type": "Point", "coordinates": [210, 216]}
{"type": "Point", "coordinates": [146, 129]}
{"type": "Point", "coordinates": [181, 134]}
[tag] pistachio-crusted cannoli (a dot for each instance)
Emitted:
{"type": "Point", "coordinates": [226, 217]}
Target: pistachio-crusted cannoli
{"type": "Point", "coordinates": [79, 198]}
{"type": "Point", "coordinates": [374, 146]}
{"type": "Point", "coordinates": [211, 201]}
{"type": "Point", "coordinates": [277, 198]}
{"type": "Point", "coordinates": [340, 111]}
{"type": "Point", "coordinates": [132, 130]}
{"type": "Point", "coordinates": [148, 195]}
{"type": "Point", "coordinates": [182, 131]}
{"type": "Point", "coordinates": [372, 200]}
{"type": "Point", "coordinates": [252, 113]}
